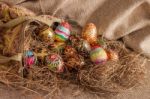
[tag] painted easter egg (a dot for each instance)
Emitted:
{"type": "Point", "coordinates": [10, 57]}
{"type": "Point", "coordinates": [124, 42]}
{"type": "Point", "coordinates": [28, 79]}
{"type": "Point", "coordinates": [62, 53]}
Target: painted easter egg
{"type": "Point", "coordinates": [98, 55]}
{"type": "Point", "coordinates": [62, 31]}
{"type": "Point", "coordinates": [47, 35]}
{"type": "Point", "coordinates": [55, 63]}
{"type": "Point", "coordinates": [89, 33]}
{"type": "Point", "coordinates": [112, 55]}
{"type": "Point", "coordinates": [29, 59]}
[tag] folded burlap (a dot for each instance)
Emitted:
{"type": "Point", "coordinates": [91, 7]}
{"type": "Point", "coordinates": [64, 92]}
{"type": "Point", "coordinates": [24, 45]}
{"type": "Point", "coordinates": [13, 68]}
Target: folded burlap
{"type": "Point", "coordinates": [115, 19]}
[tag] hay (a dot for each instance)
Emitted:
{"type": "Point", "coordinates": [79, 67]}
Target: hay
{"type": "Point", "coordinates": [115, 76]}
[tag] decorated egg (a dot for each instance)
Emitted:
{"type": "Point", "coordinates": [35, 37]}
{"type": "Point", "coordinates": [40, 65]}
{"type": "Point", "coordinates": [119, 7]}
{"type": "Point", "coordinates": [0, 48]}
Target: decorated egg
{"type": "Point", "coordinates": [29, 59]}
{"type": "Point", "coordinates": [98, 55]}
{"type": "Point", "coordinates": [83, 45]}
{"type": "Point", "coordinates": [62, 31]}
{"type": "Point", "coordinates": [89, 33]}
{"type": "Point", "coordinates": [70, 51]}
{"type": "Point", "coordinates": [55, 63]}
{"type": "Point", "coordinates": [112, 55]}
{"type": "Point", "coordinates": [47, 35]}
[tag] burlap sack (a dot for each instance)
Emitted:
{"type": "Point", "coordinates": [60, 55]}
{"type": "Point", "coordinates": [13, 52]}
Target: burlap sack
{"type": "Point", "coordinates": [114, 18]}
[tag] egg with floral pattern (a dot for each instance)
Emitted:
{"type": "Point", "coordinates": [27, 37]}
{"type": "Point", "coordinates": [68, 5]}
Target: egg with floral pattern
{"type": "Point", "coordinates": [54, 62]}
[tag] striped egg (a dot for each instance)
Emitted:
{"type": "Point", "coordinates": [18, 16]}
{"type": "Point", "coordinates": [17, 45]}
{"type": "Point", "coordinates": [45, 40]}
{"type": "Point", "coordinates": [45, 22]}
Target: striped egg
{"type": "Point", "coordinates": [54, 63]}
{"type": "Point", "coordinates": [89, 33]}
{"type": "Point", "coordinates": [62, 32]}
{"type": "Point", "coordinates": [98, 55]}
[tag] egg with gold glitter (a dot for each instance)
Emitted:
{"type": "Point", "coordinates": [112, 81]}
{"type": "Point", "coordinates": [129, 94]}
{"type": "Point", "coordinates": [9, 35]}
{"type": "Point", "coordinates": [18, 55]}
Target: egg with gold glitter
{"type": "Point", "coordinates": [112, 55]}
{"type": "Point", "coordinates": [47, 35]}
{"type": "Point", "coordinates": [89, 33]}
{"type": "Point", "coordinates": [54, 63]}
{"type": "Point", "coordinates": [62, 32]}
{"type": "Point", "coordinates": [98, 55]}
{"type": "Point", "coordinates": [29, 59]}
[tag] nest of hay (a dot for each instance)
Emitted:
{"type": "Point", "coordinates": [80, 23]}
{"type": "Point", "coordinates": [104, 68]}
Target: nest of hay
{"type": "Point", "coordinates": [113, 76]}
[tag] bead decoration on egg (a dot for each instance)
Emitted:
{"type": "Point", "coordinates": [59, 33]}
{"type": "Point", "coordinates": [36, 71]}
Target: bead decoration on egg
{"type": "Point", "coordinates": [55, 63]}
{"type": "Point", "coordinates": [46, 35]}
{"type": "Point", "coordinates": [98, 55]}
{"type": "Point", "coordinates": [29, 59]}
{"type": "Point", "coordinates": [89, 33]}
{"type": "Point", "coordinates": [62, 31]}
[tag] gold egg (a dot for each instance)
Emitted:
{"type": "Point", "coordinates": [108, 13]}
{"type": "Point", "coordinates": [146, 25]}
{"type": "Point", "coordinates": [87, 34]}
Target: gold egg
{"type": "Point", "coordinates": [47, 35]}
{"type": "Point", "coordinates": [89, 33]}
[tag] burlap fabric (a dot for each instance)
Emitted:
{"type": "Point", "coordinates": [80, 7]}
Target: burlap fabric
{"type": "Point", "coordinates": [115, 19]}
{"type": "Point", "coordinates": [129, 19]}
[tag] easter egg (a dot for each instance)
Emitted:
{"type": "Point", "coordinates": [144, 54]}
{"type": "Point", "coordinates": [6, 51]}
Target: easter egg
{"type": "Point", "coordinates": [46, 35]}
{"type": "Point", "coordinates": [112, 55]}
{"type": "Point", "coordinates": [62, 31]}
{"type": "Point", "coordinates": [54, 63]}
{"type": "Point", "coordinates": [70, 51]}
{"type": "Point", "coordinates": [98, 55]}
{"type": "Point", "coordinates": [83, 45]}
{"type": "Point", "coordinates": [89, 33]}
{"type": "Point", "coordinates": [29, 59]}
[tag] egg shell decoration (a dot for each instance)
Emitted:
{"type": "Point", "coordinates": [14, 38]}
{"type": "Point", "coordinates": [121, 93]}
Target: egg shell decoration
{"type": "Point", "coordinates": [83, 45]}
{"type": "Point", "coordinates": [98, 55]}
{"type": "Point", "coordinates": [47, 35]}
{"type": "Point", "coordinates": [89, 33]}
{"type": "Point", "coordinates": [55, 63]}
{"type": "Point", "coordinates": [112, 55]}
{"type": "Point", "coordinates": [62, 31]}
{"type": "Point", "coordinates": [29, 59]}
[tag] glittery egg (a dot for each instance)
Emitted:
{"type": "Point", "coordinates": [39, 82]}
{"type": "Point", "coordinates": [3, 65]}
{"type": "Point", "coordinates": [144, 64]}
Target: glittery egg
{"type": "Point", "coordinates": [62, 31]}
{"type": "Point", "coordinates": [98, 55]}
{"type": "Point", "coordinates": [89, 33]}
{"type": "Point", "coordinates": [54, 63]}
{"type": "Point", "coordinates": [112, 55]}
{"type": "Point", "coordinates": [47, 35]}
{"type": "Point", "coordinates": [83, 45]}
{"type": "Point", "coordinates": [29, 59]}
